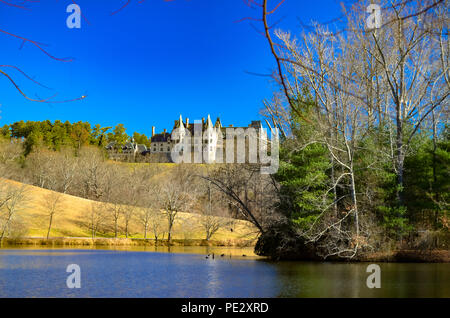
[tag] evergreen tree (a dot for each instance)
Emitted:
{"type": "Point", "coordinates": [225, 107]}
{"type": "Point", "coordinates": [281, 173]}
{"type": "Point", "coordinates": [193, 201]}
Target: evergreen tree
{"type": "Point", "coordinates": [303, 172]}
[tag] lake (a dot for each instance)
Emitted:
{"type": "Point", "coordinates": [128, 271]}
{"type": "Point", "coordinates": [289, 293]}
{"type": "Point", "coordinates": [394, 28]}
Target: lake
{"type": "Point", "coordinates": [186, 272]}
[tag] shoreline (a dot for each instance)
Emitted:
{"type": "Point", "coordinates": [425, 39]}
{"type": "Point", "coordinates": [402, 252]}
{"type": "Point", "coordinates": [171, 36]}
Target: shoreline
{"type": "Point", "coordinates": [409, 256]}
{"type": "Point", "coordinates": [395, 256]}
{"type": "Point", "coordinates": [104, 241]}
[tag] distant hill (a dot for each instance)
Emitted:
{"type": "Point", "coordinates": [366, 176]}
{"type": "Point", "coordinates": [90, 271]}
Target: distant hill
{"type": "Point", "coordinates": [73, 219]}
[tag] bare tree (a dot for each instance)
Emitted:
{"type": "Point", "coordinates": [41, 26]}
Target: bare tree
{"type": "Point", "coordinates": [97, 214]}
{"type": "Point", "coordinates": [9, 151]}
{"type": "Point", "coordinates": [115, 210]}
{"type": "Point", "coordinates": [40, 163]}
{"type": "Point", "coordinates": [131, 195]}
{"type": "Point", "coordinates": [53, 204]}
{"type": "Point", "coordinates": [65, 169]}
{"type": "Point", "coordinates": [211, 218]}
{"type": "Point", "coordinates": [415, 71]}
{"type": "Point", "coordinates": [144, 215]}
{"type": "Point", "coordinates": [177, 193]}
{"type": "Point", "coordinates": [157, 224]}
{"type": "Point", "coordinates": [113, 191]}
{"type": "Point", "coordinates": [251, 194]}
{"type": "Point", "coordinates": [12, 199]}
{"type": "Point", "coordinates": [92, 171]}
{"type": "Point", "coordinates": [128, 215]}
{"type": "Point", "coordinates": [149, 214]}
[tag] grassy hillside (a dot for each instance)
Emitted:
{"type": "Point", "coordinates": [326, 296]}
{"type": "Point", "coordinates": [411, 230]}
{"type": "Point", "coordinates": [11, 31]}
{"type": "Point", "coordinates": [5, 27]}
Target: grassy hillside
{"type": "Point", "coordinates": [73, 219]}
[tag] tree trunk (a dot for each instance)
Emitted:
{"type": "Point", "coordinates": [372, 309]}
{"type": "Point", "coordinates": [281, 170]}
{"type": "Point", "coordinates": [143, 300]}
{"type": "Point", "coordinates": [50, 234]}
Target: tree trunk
{"type": "Point", "coordinates": [355, 203]}
{"type": "Point", "coordinates": [171, 220]}
{"type": "Point", "coordinates": [3, 232]}
{"type": "Point", "coordinates": [434, 184]}
{"type": "Point", "coordinates": [400, 157]}
{"type": "Point", "coordinates": [334, 187]}
{"type": "Point", "coordinates": [5, 227]}
{"type": "Point", "coordinates": [49, 225]}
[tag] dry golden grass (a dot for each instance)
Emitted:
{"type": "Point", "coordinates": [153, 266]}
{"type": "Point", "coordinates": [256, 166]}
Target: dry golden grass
{"type": "Point", "coordinates": [73, 218]}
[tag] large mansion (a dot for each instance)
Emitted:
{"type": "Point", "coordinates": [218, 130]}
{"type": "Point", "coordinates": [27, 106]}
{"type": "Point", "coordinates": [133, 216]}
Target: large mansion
{"type": "Point", "coordinates": [206, 138]}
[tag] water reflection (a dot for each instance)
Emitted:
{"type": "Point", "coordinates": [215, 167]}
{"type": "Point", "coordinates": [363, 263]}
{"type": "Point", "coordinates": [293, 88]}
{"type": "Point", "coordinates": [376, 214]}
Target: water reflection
{"type": "Point", "coordinates": [185, 272]}
{"type": "Point", "coordinates": [349, 280]}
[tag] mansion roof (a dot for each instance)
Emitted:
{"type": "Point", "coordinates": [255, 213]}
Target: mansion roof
{"type": "Point", "coordinates": [162, 137]}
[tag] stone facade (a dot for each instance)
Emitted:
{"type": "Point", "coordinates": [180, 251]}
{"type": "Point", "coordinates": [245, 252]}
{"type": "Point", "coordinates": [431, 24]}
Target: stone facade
{"type": "Point", "coordinates": [208, 142]}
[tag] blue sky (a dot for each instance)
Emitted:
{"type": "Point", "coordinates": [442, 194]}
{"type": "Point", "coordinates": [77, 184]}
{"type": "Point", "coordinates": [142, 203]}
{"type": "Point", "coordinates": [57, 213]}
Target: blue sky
{"type": "Point", "coordinates": [146, 64]}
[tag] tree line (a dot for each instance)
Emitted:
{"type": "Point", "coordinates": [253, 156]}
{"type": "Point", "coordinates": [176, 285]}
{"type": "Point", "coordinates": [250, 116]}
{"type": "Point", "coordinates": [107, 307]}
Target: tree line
{"type": "Point", "coordinates": [56, 135]}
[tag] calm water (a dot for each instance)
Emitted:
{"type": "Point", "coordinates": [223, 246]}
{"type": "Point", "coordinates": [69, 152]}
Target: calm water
{"type": "Point", "coordinates": [116, 273]}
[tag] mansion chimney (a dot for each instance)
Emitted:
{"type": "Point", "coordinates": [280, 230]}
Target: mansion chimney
{"type": "Point", "coordinates": [153, 131]}
{"type": "Point", "coordinates": [187, 122]}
